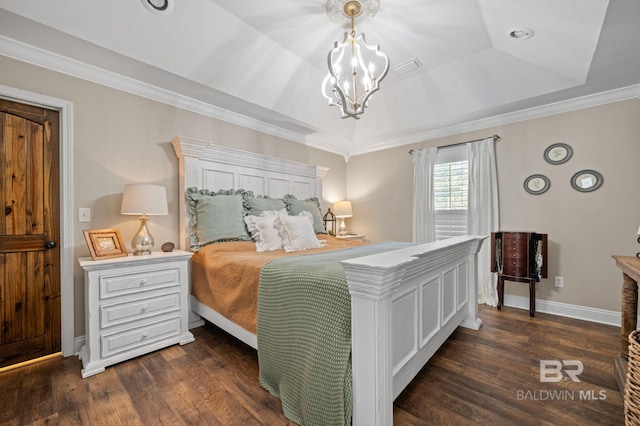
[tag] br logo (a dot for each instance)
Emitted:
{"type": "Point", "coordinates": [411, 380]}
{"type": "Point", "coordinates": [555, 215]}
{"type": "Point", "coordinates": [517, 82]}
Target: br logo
{"type": "Point", "coordinates": [551, 370]}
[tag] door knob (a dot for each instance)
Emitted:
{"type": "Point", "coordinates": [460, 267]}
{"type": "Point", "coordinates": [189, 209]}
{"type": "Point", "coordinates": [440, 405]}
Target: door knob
{"type": "Point", "coordinates": [50, 244]}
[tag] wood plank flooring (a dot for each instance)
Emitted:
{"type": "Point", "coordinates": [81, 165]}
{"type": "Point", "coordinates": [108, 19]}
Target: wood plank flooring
{"type": "Point", "coordinates": [485, 377]}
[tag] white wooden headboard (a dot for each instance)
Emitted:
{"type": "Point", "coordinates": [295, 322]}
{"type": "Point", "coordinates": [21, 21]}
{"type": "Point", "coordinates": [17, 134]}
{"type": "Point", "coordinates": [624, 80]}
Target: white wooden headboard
{"type": "Point", "coordinates": [207, 166]}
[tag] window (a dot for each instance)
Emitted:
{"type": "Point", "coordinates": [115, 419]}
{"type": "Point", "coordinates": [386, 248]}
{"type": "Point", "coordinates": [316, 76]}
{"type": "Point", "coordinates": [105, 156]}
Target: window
{"type": "Point", "coordinates": [451, 185]}
{"type": "Point", "coordinates": [451, 192]}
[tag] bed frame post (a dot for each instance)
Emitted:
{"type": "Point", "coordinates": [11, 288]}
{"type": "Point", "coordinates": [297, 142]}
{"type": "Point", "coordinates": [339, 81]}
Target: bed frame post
{"type": "Point", "coordinates": [372, 346]}
{"type": "Point", "coordinates": [472, 320]}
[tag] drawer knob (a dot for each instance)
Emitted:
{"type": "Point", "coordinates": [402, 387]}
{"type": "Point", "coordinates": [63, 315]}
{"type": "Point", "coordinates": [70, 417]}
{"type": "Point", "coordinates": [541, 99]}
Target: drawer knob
{"type": "Point", "coordinates": [143, 282]}
{"type": "Point", "coordinates": [144, 308]}
{"type": "Point", "coordinates": [145, 335]}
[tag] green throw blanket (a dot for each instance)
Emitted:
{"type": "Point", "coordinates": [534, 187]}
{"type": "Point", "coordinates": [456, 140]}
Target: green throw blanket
{"type": "Point", "coordinates": [304, 334]}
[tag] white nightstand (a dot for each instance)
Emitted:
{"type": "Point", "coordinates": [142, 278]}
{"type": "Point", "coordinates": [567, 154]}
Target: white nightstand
{"type": "Point", "coordinates": [134, 305]}
{"type": "Point", "coordinates": [356, 237]}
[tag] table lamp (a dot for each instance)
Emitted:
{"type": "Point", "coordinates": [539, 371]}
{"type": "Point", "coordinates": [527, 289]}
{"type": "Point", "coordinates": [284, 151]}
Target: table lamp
{"type": "Point", "coordinates": [342, 209]}
{"type": "Point", "coordinates": [143, 200]}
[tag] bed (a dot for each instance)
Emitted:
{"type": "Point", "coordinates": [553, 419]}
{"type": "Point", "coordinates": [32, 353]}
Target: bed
{"type": "Point", "coordinates": [405, 302]}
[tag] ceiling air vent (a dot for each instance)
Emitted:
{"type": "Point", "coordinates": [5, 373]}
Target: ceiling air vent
{"type": "Point", "coordinates": [406, 67]}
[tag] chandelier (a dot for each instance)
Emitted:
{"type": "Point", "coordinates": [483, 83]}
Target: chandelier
{"type": "Point", "coordinates": [355, 67]}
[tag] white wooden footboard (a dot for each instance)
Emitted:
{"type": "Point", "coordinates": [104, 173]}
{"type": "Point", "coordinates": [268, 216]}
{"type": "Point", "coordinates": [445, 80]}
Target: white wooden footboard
{"type": "Point", "coordinates": [405, 304]}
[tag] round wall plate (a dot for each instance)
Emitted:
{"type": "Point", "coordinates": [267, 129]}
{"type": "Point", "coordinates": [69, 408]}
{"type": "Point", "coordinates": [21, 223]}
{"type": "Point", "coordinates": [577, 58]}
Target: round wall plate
{"type": "Point", "coordinates": [586, 180]}
{"type": "Point", "coordinates": [558, 153]}
{"type": "Point", "coordinates": [537, 184]}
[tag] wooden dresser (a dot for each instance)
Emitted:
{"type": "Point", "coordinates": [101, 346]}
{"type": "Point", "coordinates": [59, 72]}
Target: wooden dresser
{"type": "Point", "coordinates": [520, 257]}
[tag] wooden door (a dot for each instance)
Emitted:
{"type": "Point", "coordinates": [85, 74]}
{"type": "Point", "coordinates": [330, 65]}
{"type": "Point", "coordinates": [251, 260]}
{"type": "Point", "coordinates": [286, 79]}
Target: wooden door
{"type": "Point", "coordinates": [29, 233]}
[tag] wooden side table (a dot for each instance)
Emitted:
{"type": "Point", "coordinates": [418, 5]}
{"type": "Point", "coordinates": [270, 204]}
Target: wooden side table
{"type": "Point", "coordinates": [630, 266]}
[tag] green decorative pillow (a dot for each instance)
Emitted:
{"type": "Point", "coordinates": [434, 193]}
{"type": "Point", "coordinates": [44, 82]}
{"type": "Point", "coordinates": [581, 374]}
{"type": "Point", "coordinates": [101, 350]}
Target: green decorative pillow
{"type": "Point", "coordinates": [256, 205]}
{"type": "Point", "coordinates": [311, 205]}
{"type": "Point", "coordinates": [216, 216]}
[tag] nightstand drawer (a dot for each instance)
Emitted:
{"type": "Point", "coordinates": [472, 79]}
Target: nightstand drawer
{"type": "Point", "coordinates": [119, 285]}
{"type": "Point", "coordinates": [141, 336]}
{"type": "Point", "coordinates": [111, 315]}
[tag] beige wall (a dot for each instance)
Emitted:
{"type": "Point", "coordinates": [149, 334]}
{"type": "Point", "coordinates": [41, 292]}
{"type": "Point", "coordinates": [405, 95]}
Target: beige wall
{"type": "Point", "coordinates": [121, 138]}
{"type": "Point", "coordinates": [584, 229]}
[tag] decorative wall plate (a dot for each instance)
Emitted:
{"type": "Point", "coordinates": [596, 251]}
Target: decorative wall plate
{"type": "Point", "coordinates": [586, 180]}
{"type": "Point", "coordinates": [536, 184]}
{"type": "Point", "coordinates": [558, 153]}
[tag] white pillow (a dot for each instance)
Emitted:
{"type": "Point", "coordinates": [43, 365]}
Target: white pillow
{"type": "Point", "coordinates": [264, 231]}
{"type": "Point", "coordinates": [297, 232]}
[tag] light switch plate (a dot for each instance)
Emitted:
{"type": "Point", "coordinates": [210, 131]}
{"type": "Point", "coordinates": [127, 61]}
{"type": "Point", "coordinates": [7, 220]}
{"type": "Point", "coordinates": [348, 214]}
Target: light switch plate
{"type": "Point", "coordinates": [84, 214]}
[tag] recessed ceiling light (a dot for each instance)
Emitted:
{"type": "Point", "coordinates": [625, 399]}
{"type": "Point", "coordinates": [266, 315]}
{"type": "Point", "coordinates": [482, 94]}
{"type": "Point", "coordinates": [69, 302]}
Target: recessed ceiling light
{"type": "Point", "coordinates": [161, 7]}
{"type": "Point", "coordinates": [520, 33]}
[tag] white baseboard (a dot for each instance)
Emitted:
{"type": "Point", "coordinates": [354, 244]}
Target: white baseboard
{"type": "Point", "coordinates": [601, 316]}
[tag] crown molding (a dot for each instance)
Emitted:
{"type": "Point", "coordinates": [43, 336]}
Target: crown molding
{"type": "Point", "coordinates": [323, 143]}
{"type": "Point", "coordinates": [588, 101]}
{"type": "Point", "coordinates": [59, 63]}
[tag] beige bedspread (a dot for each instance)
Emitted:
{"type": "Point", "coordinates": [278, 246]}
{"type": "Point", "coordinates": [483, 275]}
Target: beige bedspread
{"type": "Point", "coordinates": [226, 275]}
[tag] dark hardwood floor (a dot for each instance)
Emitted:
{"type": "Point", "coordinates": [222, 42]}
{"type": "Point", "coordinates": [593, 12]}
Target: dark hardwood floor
{"type": "Point", "coordinates": [490, 376]}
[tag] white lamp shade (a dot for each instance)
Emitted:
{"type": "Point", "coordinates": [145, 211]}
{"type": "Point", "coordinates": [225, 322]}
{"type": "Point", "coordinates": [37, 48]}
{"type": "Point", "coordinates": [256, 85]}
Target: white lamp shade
{"type": "Point", "coordinates": [342, 209]}
{"type": "Point", "coordinates": [141, 199]}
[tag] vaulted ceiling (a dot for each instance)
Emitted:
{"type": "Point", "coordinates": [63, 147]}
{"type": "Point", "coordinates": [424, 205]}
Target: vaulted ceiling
{"type": "Point", "coordinates": [261, 63]}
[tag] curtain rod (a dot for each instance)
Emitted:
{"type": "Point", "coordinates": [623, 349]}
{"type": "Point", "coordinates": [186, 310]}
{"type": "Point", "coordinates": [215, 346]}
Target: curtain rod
{"type": "Point", "coordinates": [495, 139]}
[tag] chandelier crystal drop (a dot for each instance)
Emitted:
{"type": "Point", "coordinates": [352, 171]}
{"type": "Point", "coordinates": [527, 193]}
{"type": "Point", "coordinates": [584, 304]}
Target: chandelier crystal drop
{"type": "Point", "coordinates": [355, 69]}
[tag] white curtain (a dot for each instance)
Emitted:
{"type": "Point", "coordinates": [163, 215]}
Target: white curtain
{"type": "Point", "coordinates": [424, 161]}
{"type": "Point", "coordinates": [483, 213]}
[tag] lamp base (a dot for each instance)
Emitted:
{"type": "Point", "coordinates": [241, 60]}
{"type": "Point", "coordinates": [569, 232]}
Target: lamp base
{"type": "Point", "coordinates": [343, 229]}
{"type": "Point", "coordinates": [142, 241]}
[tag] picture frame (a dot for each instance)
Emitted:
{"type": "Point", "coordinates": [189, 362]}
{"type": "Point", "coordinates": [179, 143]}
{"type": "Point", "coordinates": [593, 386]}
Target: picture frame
{"type": "Point", "coordinates": [105, 243]}
{"type": "Point", "coordinates": [586, 180]}
{"type": "Point", "coordinates": [537, 184]}
{"type": "Point", "coordinates": [558, 153]}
